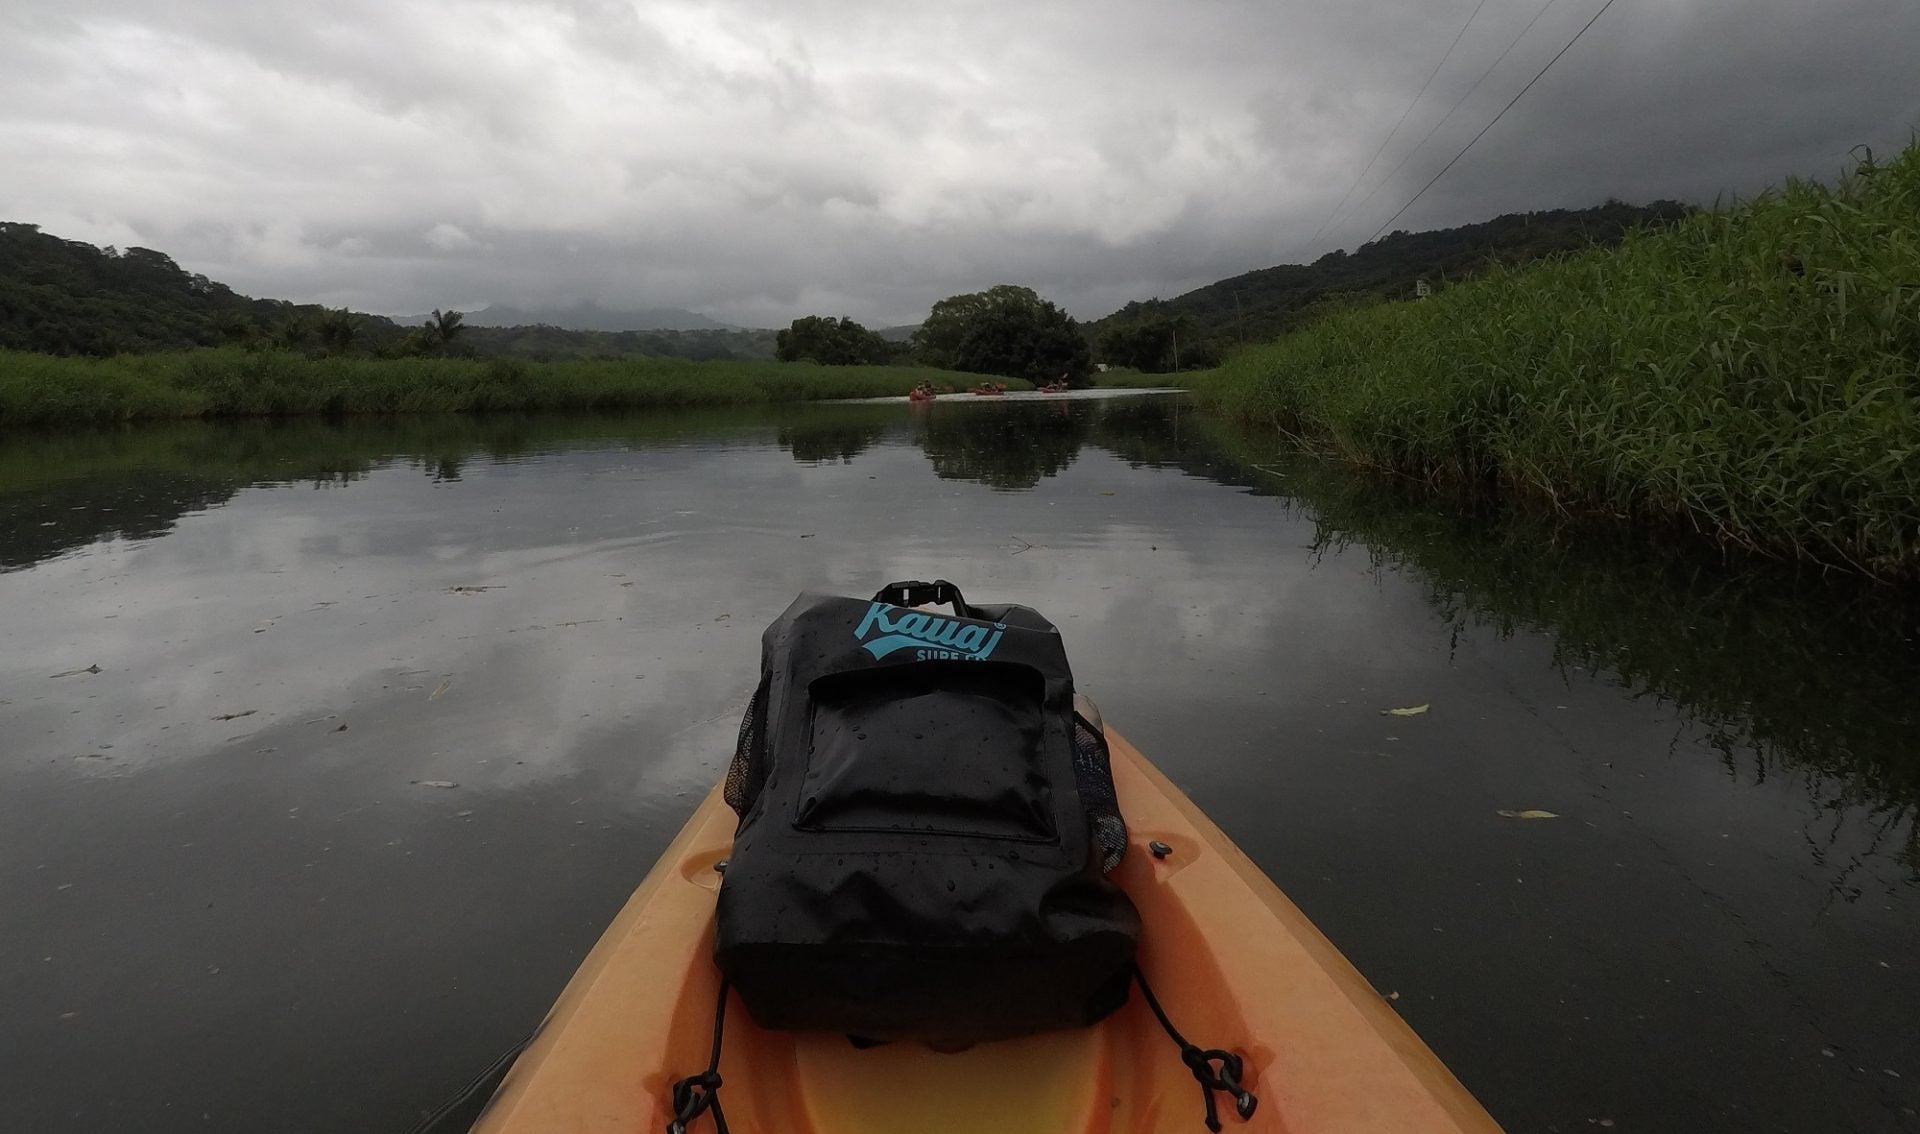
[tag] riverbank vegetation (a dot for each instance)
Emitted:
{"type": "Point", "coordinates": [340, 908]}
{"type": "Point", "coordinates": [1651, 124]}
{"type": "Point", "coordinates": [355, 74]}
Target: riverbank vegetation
{"type": "Point", "coordinates": [1749, 373]}
{"type": "Point", "coordinates": [37, 389]}
{"type": "Point", "coordinates": [1194, 331]}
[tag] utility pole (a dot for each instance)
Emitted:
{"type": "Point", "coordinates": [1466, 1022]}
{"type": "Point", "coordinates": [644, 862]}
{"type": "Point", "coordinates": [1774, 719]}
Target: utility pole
{"type": "Point", "coordinates": [1176, 349]}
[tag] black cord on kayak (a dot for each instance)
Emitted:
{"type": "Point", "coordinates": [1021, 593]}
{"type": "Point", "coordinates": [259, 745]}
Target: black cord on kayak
{"type": "Point", "coordinates": [1201, 1062]}
{"type": "Point", "coordinates": [490, 1077]}
{"type": "Point", "coordinates": [696, 1094]}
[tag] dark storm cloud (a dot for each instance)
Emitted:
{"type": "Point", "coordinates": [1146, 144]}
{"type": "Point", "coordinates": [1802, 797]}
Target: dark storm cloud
{"type": "Point", "coordinates": [761, 160]}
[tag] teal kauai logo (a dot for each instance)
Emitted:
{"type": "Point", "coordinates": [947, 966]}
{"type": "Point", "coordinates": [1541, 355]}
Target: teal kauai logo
{"type": "Point", "coordinates": [932, 636]}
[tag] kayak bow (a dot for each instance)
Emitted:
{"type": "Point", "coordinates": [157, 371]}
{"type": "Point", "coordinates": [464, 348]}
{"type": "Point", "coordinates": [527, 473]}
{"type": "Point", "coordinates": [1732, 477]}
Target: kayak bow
{"type": "Point", "coordinates": [1230, 957]}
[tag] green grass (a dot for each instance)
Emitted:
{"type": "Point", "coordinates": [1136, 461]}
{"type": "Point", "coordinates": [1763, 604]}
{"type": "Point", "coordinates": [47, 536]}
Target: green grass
{"type": "Point", "coordinates": [45, 390]}
{"type": "Point", "coordinates": [1749, 374]}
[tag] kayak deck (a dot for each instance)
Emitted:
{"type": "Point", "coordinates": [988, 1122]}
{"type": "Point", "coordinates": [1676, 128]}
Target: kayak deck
{"type": "Point", "coordinates": [1234, 962]}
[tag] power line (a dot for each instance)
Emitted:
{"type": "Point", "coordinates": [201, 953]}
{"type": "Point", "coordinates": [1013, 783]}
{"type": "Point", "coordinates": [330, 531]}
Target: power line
{"type": "Point", "coordinates": [1393, 133]}
{"type": "Point", "coordinates": [1496, 119]}
{"type": "Point", "coordinates": [1491, 68]}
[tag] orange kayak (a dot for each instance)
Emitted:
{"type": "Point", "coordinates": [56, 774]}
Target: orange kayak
{"type": "Point", "coordinates": [1233, 961]}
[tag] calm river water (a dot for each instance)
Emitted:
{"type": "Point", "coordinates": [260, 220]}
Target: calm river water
{"type": "Point", "coordinates": [326, 751]}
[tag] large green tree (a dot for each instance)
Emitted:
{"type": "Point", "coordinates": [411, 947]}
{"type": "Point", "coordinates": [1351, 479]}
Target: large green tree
{"type": "Point", "coordinates": [1005, 330]}
{"type": "Point", "coordinates": [337, 328]}
{"type": "Point", "coordinates": [819, 338]}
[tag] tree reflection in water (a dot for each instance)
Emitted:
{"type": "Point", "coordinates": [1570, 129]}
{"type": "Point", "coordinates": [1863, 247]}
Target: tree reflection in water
{"type": "Point", "coordinates": [1789, 674]}
{"type": "Point", "coordinates": [1009, 446]}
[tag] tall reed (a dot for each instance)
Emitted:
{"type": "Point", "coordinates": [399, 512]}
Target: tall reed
{"type": "Point", "coordinates": [1750, 373]}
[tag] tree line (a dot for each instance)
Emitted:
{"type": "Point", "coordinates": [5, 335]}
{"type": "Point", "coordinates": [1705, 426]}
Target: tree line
{"type": "Point", "coordinates": [1006, 331]}
{"type": "Point", "coordinates": [68, 297]}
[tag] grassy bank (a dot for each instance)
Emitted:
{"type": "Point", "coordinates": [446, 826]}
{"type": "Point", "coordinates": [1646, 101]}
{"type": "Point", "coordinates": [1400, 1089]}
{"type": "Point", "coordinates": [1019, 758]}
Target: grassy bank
{"type": "Point", "coordinates": [44, 390]}
{"type": "Point", "coordinates": [1750, 374]}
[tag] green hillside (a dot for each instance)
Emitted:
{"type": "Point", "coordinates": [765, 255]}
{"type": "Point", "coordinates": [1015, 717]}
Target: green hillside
{"type": "Point", "coordinates": [1261, 305]}
{"type": "Point", "coordinates": [67, 297]}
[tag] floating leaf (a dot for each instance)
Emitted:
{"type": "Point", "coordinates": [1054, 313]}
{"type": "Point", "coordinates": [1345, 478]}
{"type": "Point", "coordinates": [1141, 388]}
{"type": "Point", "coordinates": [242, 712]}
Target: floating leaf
{"type": "Point", "coordinates": [1528, 814]}
{"type": "Point", "coordinates": [1412, 712]}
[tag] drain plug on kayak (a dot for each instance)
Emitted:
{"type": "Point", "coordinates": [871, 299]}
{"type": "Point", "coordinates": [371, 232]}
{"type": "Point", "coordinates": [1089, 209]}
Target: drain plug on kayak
{"type": "Point", "coordinates": [1159, 849]}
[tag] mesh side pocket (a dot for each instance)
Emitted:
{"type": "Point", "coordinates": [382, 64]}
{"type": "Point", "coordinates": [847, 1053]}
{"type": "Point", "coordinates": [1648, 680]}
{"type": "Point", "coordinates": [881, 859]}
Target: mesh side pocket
{"type": "Point", "coordinates": [1093, 775]}
{"type": "Point", "coordinates": [749, 768]}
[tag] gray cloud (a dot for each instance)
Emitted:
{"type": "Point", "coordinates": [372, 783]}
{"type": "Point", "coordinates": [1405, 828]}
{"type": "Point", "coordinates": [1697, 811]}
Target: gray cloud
{"type": "Point", "coordinates": [760, 160]}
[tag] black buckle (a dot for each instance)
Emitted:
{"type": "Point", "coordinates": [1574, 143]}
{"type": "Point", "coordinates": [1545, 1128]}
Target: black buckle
{"type": "Point", "coordinates": [914, 592]}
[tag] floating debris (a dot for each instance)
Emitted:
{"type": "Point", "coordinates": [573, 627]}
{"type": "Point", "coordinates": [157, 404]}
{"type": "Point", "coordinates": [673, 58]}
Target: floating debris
{"type": "Point", "coordinates": [439, 689]}
{"type": "Point", "coordinates": [76, 672]}
{"type": "Point", "coordinates": [1411, 712]}
{"type": "Point", "coordinates": [234, 716]}
{"type": "Point", "coordinates": [1527, 814]}
{"type": "Point", "coordinates": [473, 590]}
{"type": "Point", "coordinates": [437, 783]}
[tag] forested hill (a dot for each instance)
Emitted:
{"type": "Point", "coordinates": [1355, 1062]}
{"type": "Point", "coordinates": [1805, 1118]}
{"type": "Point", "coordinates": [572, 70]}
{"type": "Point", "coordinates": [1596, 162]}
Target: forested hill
{"type": "Point", "coordinates": [1264, 304]}
{"type": "Point", "coordinates": [68, 297]}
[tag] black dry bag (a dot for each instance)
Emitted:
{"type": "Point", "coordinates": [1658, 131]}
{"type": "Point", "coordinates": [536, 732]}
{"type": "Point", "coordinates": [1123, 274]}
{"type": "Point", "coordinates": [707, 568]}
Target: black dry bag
{"type": "Point", "coordinates": [925, 828]}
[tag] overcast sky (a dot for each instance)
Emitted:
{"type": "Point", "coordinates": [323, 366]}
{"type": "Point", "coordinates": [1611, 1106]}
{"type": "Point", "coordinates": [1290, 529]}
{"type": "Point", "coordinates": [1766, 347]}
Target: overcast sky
{"type": "Point", "coordinates": [770, 158]}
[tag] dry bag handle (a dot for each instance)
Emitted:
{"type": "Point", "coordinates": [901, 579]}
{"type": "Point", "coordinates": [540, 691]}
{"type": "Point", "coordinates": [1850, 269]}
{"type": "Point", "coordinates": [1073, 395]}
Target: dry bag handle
{"type": "Point", "coordinates": [916, 593]}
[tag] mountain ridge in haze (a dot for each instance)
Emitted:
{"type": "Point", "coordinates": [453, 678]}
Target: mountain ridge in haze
{"type": "Point", "coordinates": [584, 316]}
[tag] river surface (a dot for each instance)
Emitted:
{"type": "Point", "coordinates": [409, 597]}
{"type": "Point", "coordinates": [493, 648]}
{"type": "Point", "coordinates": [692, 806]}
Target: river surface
{"type": "Point", "coordinates": [327, 750]}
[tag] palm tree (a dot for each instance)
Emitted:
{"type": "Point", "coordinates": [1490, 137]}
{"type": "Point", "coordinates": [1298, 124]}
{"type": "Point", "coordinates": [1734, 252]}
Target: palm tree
{"type": "Point", "coordinates": [445, 325]}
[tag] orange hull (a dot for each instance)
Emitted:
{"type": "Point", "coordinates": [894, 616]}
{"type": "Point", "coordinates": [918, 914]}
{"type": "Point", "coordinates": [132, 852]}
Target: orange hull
{"type": "Point", "coordinates": [1235, 963]}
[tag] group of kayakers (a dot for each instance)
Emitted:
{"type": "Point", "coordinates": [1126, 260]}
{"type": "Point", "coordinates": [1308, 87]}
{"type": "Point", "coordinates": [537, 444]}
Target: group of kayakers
{"type": "Point", "coordinates": [924, 391]}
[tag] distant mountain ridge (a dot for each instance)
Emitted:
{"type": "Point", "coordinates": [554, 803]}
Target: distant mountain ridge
{"type": "Point", "coordinates": [585, 317]}
{"type": "Point", "coordinates": [69, 297]}
{"type": "Point", "coordinates": [1261, 305]}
